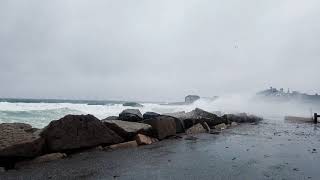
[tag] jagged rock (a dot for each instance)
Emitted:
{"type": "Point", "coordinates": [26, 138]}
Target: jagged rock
{"type": "Point", "coordinates": [243, 118]}
{"type": "Point", "coordinates": [198, 116]}
{"type": "Point", "coordinates": [196, 129]}
{"type": "Point", "coordinates": [41, 159]}
{"type": "Point", "coordinates": [145, 140]}
{"type": "Point", "coordinates": [132, 104]}
{"type": "Point", "coordinates": [162, 126]}
{"type": "Point", "coordinates": [149, 115]}
{"type": "Point", "coordinates": [131, 115]}
{"type": "Point", "coordinates": [19, 140]}
{"type": "Point", "coordinates": [206, 126]}
{"type": "Point", "coordinates": [191, 99]}
{"type": "Point", "coordinates": [221, 126]}
{"type": "Point", "coordinates": [112, 118]}
{"type": "Point", "coordinates": [130, 144]}
{"type": "Point", "coordinates": [126, 129]}
{"type": "Point", "coordinates": [78, 131]}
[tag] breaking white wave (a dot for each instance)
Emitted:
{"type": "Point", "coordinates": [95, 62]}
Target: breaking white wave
{"type": "Point", "coordinates": [40, 114]}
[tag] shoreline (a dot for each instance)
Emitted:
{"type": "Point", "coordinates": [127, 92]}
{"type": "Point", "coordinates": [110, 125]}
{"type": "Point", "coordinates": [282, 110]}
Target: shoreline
{"type": "Point", "coordinates": [271, 149]}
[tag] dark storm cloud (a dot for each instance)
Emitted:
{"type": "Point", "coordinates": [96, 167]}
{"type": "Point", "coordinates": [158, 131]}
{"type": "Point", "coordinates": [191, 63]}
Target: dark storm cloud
{"type": "Point", "coordinates": [156, 50]}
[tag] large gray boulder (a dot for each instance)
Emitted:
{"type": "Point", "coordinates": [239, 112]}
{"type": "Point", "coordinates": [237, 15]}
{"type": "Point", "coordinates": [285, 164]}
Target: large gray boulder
{"type": "Point", "coordinates": [196, 129]}
{"type": "Point", "coordinates": [128, 130]}
{"type": "Point", "coordinates": [19, 140]}
{"type": "Point", "coordinates": [162, 126]}
{"type": "Point", "coordinates": [131, 115]}
{"type": "Point", "coordinates": [78, 131]}
{"type": "Point", "coordinates": [243, 118]}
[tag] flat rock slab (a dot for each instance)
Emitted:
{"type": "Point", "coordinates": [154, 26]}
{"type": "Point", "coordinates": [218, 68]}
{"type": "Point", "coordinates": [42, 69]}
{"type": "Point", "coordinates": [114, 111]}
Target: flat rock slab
{"type": "Point", "coordinates": [196, 129]}
{"type": "Point", "coordinates": [78, 131]}
{"type": "Point", "coordinates": [128, 129]}
{"type": "Point", "coordinates": [19, 140]}
{"type": "Point", "coordinates": [130, 144]}
{"type": "Point", "coordinates": [162, 126]}
{"type": "Point", "coordinates": [145, 140]}
{"type": "Point", "coordinates": [298, 119]}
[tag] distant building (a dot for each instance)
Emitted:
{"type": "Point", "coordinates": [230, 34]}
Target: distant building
{"type": "Point", "coordinates": [274, 94]}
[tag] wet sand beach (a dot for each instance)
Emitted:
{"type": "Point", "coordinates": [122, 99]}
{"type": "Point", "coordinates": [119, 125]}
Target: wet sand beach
{"type": "Point", "coordinates": [272, 149]}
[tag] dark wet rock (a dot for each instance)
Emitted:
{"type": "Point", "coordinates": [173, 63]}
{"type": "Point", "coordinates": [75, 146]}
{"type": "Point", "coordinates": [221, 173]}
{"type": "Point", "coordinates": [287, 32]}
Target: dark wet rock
{"type": "Point", "coordinates": [198, 116]}
{"type": "Point", "coordinates": [126, 129]}
{"type": "Point", "coordinates": [2, 170]}
{"type": "Point", "coordinates": [145, 140]}
{"type": "Point", "coordinates": [78, 131]}
{"type": "Point", "coordinates": [196, 129]}
{"type": "Point", "coordinates": [132, 104]}
{"type": "Point", "coordinates": [41, 159]}
{"type": "Point", "coordinates": [129, 144]}
{"type": "Point", "coordinates": [179, 125]}
{"type": "Point", "coordinates": [243, 118]}
{"type": "Point", "coordinates": [191, 99]}
{"type": "Point", "coordinates": [19, 140]}
{"type": "Point", "coordinates": [131, 115]}
{"type": "Point", "coordinates": [162, 126]}
{"type": "Point", "coordinates": [149, 115]}
{"type": "Point", "coordinates": [112, 118]}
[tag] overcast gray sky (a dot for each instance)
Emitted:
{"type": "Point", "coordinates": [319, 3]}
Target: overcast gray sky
{"type": "Point", "coordinates": [157, 50]}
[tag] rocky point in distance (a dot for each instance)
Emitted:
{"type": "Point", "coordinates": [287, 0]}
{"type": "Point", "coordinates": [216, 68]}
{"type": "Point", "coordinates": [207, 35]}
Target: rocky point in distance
{"type": "Point", "coordinates": [274, 94]}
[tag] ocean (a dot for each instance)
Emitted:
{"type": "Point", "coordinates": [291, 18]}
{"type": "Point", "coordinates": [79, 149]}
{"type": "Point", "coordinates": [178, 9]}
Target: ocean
{"type": "Point", "coordinates": [40, 112]}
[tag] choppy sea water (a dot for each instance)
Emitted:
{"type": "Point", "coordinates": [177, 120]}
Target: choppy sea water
{"type": "Point", "coordinates": [39, 113]}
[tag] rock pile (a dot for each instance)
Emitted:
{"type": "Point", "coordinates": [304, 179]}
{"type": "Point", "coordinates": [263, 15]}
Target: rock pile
{"type": "Point", "coordinates": [22, 145]}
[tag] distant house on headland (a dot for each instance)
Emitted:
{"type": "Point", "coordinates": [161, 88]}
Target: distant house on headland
{"type": "Point", "coordinates": [275, 94]}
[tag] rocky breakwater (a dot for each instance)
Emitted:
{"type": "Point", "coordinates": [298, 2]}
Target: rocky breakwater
{"type": "Point", "coordinates": [21, 145]}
